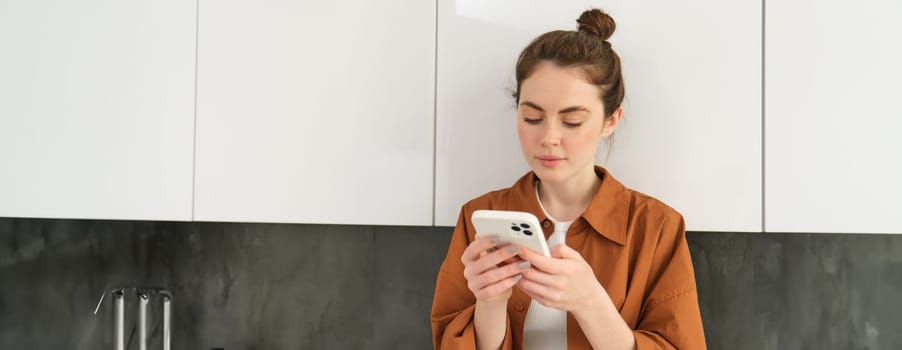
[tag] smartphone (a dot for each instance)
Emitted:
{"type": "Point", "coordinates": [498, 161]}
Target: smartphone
{"type": "Point", "coordinates": [513, 227]}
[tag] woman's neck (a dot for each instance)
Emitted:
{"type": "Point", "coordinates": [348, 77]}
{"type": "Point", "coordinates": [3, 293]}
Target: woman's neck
{"type": "Point", "coordinates": [566, 201]}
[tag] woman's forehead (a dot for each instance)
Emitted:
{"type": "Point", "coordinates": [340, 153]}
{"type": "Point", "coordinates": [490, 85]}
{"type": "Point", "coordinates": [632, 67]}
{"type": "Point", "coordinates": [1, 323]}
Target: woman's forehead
{"type": "Point", "coordinates": [553, 87]}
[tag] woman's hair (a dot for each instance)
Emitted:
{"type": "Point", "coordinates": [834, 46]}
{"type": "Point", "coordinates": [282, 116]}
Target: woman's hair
{"type": "Point", "coordinates": [587, 49]}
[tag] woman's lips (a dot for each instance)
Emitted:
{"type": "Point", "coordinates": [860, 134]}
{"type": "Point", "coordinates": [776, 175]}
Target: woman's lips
{"type": "Point", "coordinates": [550, 162]}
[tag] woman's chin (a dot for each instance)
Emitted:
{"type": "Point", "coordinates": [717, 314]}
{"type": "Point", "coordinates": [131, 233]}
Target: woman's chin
{"type": "Point", "coordinates": [549, 175]}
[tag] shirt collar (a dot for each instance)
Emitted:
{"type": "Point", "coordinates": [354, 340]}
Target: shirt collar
{"type": "Point", "coordinates": [607, 214]}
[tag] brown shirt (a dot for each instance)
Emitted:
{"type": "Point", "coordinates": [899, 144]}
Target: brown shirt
{"type": "Point", "coordinates": [636, 246]}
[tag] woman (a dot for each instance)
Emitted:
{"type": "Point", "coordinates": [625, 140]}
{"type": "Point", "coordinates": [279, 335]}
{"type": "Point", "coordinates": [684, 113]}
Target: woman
{"type": "Point", "coordinates": [620, 275]}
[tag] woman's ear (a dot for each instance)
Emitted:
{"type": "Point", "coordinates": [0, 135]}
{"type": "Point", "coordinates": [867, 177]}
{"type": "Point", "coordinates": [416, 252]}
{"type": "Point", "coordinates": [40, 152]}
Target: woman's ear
{"type": "Point", "coordinates": [610, 124]}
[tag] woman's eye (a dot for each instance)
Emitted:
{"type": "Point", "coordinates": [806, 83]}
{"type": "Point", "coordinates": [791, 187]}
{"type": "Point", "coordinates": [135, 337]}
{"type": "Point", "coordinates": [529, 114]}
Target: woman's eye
{"type": "Point", "coordinates": [573, 125]}
{"type": "Point", "coordinates": [532, 121]}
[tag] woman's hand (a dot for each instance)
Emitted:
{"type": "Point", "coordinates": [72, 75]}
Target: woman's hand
{"type": "Point", "coordinates": [564, 281]}
{"type": "Point", "coordinates": [492, 270]}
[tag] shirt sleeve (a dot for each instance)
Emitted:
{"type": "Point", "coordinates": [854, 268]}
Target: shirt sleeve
{"type": "Point", "coordinates": [454, 304]}
{"type": "Point", "coordinates": [670, 318]}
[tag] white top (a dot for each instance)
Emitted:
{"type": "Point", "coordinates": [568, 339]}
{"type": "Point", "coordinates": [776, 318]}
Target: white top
{"type": "Point", "coordinates": [545, 327]}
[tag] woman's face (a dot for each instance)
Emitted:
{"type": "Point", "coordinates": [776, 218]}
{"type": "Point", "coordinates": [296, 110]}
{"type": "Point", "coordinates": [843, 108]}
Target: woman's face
{"type": "Point", "coordinates": [560, 121]}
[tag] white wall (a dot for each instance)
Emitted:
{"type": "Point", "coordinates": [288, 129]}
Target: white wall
{"type": "Point", "coordinates": [331, 112]}
{"type": "Point", "coordinates": [97, 109]}
{"type": "Point", "coordinates": [832, 117]}
{"type": "Point", "coordinates": [316, 112]}
{"type": "Point", "coordinates": [691, 134]}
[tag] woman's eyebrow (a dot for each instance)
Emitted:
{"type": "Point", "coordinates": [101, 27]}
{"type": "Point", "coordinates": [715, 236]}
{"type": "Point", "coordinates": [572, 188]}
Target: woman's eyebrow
{"type": "Point", "coordinates": [532, 105]}
{"type": "Point", "coordinates": [563, 111]}
{"type": "Point", "coordinates": [573, 109]}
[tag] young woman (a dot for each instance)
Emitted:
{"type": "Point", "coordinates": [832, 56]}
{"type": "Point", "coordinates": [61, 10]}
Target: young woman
{"type": "Point", "coordinates": [620, 275]}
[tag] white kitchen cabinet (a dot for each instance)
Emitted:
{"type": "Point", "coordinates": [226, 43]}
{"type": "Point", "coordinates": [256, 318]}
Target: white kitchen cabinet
{"type": "Point", "coordinates": [97, 109]}
{"type": "Point", "coordinates": [316, 112]}
{"type": "Point", "coordinates": [691, 133]}
{"type": "Point", "coordinates": [832, 126]}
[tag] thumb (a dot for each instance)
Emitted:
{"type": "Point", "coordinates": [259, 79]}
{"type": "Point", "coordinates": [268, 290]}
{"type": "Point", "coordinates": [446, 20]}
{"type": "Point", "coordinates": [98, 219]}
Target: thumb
{"type": "Point", "coordinates": [562, 251]}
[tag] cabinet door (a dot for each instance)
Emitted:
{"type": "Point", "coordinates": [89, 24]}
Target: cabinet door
{"type": "Point", "coordinates": [97, 109]}
{"type": "Point", "coordinates": [691, 133]}
{"type": "Point", "coordinates": [316, 112]}
{"type": "Point", "coordinates": [832, 126]}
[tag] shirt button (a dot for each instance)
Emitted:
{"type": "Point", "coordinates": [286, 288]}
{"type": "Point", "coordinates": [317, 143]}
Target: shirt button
{"type": "Point", "coordinates": [519, 307]}
{"type": "Point", "coordinates": [546, 224]}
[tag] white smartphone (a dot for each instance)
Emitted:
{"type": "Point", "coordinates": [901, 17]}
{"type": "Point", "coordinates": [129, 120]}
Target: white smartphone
{"type": "Point", "coordinates": [514, 227]}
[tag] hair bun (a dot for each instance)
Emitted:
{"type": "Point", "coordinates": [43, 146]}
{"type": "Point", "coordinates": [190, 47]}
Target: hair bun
{"type": "Point", "coordinates": [597, 23]}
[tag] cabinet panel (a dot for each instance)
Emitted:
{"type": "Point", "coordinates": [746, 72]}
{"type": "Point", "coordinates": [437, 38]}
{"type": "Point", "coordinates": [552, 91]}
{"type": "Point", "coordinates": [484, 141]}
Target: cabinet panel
{"type": "Point", "coordinates": [97, 109]}
{"type": "Point", "coordinates": [691, 134]}
{"type": "Point", "coordinates": [832, 117]}
{"type": "Point", "coordinates": [316, 112]}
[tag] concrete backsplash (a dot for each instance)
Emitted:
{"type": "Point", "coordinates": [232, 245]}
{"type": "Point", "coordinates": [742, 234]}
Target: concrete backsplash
{"type": "Point", "coordinates": [281, 286]}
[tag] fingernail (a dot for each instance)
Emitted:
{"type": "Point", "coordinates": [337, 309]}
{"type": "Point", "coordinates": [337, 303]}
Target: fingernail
{"type": "Point", "coordinates": [494, 239]}
{"type": "Point", "coordinates": [514, 249]}
{"type": "Point", "coordinates": [517, 278]}
{"type": "Point", "coordinates": [523, 265]}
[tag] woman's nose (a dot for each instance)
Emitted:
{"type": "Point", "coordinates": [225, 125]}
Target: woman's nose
{"type": "Point", "coordinates": [551, 135]}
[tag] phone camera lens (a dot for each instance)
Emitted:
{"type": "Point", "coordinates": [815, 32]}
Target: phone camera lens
{"type": "Point", "coordinates": [524, 226]}
{"type": "Point", "coordinates": [515, 228]}
{"type": "Point", "coordinates": [527, 232]}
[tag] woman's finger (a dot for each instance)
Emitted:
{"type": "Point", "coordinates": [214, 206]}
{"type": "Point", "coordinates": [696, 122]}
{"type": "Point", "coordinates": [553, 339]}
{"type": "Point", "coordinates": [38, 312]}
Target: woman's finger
{"type": "Point", "coordinates": [541, 262]}
{"type": "Point", "coordinates": [498, 288]}
{"type": "Point", "coordinates": [562, 251]}
{"type": "Point", "coordinates": [543, 294]}
{"type": "Point", "coordinates": [479, 245]}
{"type": "Point", "coordinates": [494, 275]}
{"type": "Point", "coordinates": [540, 277]}
{"type": "Point", "coordinates": [493, 259]}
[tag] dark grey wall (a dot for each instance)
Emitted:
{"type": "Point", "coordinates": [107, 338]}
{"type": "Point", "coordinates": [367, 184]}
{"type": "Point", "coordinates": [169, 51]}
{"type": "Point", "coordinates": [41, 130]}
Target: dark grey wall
{"type": "Point", "coordinates": [276, 286]}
